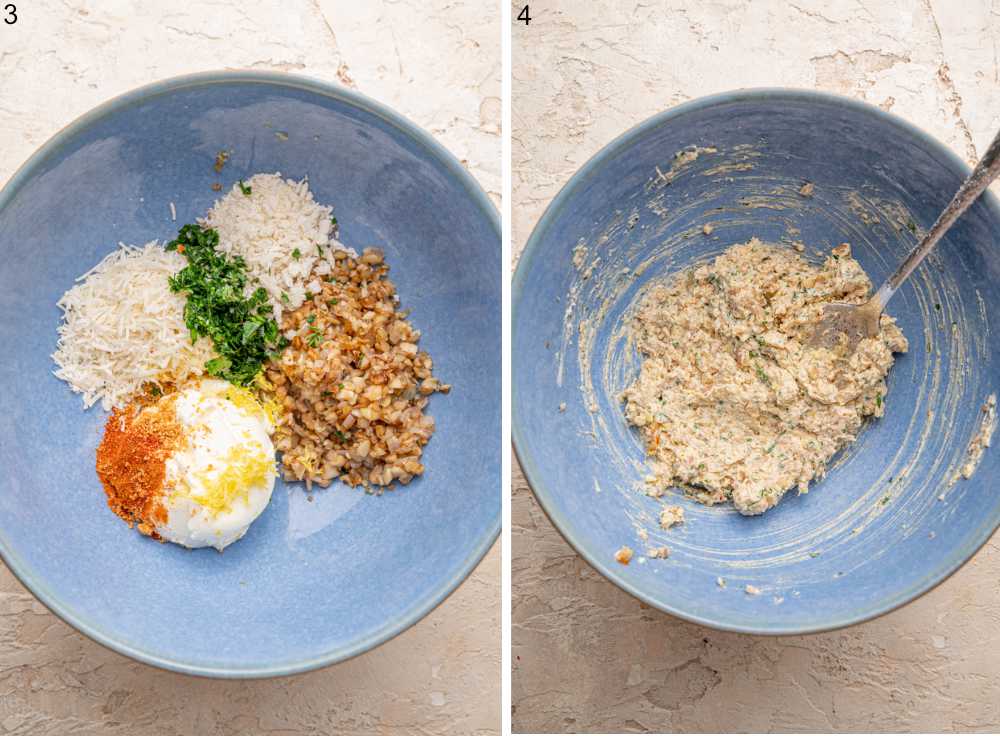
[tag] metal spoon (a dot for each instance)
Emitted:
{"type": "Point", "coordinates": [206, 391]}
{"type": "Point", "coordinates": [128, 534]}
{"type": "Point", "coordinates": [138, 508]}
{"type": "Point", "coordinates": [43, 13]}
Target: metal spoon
{"type": "Point", "coordinates": [857, 321]}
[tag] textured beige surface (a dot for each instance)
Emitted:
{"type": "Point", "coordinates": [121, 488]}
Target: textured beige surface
{"type": "Point", "coordinates": [588, 657]}
{"type": "Point", "coordinates": [441, 68]}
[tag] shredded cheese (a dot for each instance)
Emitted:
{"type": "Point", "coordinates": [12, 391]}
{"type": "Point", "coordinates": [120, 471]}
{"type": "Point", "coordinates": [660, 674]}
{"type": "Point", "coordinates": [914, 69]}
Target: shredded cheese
{"type": "Point", "coordinates": [122, 328]}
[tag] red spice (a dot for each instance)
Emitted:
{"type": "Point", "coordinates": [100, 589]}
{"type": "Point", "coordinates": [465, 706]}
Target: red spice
{"type": "Point", "coordinates": [131, 462]}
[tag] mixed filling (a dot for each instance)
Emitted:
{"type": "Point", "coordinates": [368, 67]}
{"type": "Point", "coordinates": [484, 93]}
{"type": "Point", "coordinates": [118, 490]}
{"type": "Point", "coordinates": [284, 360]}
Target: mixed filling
{"type": "Point", "coordinates": [255, 330]}
{"type": "Point", "coordinates": [731, 402]}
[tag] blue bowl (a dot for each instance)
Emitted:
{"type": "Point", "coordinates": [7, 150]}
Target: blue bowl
{"type": "Point", "coordinates": [316, 580]}
{"type": "Point", "coordinates": [887, 523]}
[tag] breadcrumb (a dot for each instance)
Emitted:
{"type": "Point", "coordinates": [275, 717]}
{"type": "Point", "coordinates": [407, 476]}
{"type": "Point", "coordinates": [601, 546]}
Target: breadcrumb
{"type": "Point", "coordinates": [671, 516]}
{"type": "Point", "coordinates": [624, 555]}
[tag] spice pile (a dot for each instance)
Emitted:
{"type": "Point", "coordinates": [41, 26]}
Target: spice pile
{"type": "Point", "coordinates": [131, 462]}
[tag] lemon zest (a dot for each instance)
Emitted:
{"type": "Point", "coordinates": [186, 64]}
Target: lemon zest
{"type": "Point", "coordinates": [245, 466]}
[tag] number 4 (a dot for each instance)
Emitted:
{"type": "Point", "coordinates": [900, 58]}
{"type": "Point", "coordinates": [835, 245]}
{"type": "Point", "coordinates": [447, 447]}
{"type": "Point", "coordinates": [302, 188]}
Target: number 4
{"type": "Point", "coordinates": [525, 15]}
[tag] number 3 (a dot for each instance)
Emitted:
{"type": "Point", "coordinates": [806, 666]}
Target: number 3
{"type": "Point", "coordinates": [11, 18]}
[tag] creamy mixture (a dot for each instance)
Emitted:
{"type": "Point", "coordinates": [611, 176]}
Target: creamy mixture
{"type": "Point", "coordinates": [221, 479]}
{"type": "Point", "coordinates": [730, 402]}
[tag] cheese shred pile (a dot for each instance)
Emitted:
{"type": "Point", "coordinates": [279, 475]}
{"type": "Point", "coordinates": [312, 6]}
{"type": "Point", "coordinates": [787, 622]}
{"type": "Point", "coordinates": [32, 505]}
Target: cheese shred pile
{"type": "Point", "coordinates": [122, 328]}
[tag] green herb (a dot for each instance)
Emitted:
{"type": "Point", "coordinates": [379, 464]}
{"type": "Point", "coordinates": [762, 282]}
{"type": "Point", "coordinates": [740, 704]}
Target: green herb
{"type": "Point", "coordinates": [340, 435]}
{"type": "Point", "coordinates": [284, 297]}
{"type": "Point", "coordinates": [878, 399]}
{"type": "Point", "coordinates": [885, 499]}
{"type": "Point", "coordinates": [309, 296]}
{"type": "Point", "coordinates": [333, 302]}
{"type": "Point", "coordinates": [247, 190]}
{"type": "Point", "coordinates": [296, 254]}
{"type": "Point", "coordinates": [937, 307]}
{"type": "Point", "coordinates": [311, 318]}
{"type": "Point", "coordinates": [333, 220]}
{"type": "Point", "coordinates": [814, 554]}
{"type": "Point", "coordinates": [242, 329]}
{"type": "Point", "coordinates": [315, 339]}
{"type": "Point", "coordinates": [911, 226]}
{"type": "Point", "coordinates": [156, 390]}
{"type": "Point", "coordinates": [324, 394]}
{"type": "Point", "coordinates": [319, 250]}
{"type": "Point", "coordinates": [762, 375]}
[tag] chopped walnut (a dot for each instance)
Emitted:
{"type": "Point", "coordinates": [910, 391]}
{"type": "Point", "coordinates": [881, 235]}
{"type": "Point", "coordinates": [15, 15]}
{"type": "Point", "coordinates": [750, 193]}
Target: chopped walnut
{"type": "Point", "coordinates": [353, 385]}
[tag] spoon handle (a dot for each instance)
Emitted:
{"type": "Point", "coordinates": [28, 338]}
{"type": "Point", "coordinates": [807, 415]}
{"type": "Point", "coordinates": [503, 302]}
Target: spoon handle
{"type": "Point", "coordinates": [985, 172]}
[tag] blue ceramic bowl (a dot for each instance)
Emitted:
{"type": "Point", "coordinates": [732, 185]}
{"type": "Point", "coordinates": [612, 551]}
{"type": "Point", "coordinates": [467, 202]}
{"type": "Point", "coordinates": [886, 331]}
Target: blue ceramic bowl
{"type": "Point", "coordinates": [886, 524]}
{"type": "Point", "coordinates": [314, 581]}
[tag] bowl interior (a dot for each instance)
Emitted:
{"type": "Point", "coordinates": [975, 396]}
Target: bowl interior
{"type": "Point", "coordinates": [319, 576]}
{"type": "Point", "coordinates": [887, 522]}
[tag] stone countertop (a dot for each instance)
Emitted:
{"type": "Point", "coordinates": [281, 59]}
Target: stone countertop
{"type": "Point", "coordinates": [442, 69]}
{"type": "Point", "coordinates": [589, 657]}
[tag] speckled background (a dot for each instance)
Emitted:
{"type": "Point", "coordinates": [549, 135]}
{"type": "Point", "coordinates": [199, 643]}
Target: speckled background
{"type": "Point", "coordinates": [440, 65]}
{"type": "Point", "coordinates": [588, 657]}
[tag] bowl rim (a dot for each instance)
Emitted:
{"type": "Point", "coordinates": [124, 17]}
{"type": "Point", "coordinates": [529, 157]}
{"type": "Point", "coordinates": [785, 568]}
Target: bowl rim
{"type": "Point", "coordinates": [951, 562]}
{"type": "Point", "coordinates": [423, 605]}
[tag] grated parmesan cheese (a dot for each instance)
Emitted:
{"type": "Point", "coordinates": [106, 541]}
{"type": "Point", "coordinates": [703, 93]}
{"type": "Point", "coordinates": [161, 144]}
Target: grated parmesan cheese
{"type": "Point", "coordinates": [281, 233]}
{"type": "Point", "coordinates": [122, 327]}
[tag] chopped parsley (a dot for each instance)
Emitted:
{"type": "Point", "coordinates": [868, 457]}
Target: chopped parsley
{"type": "Point", "coordinates": [333, 220]}
{"type": "Point", "coordinates": [246, 188]}
{"type": "Point", "coordinates": [311, 318]}
{"type": "Point", "coordinates": [333, 302]}
{"type": "Point", "coordinates": [284, 297]}
{"type": "Point", "coordinates": [296, 254]}
{"type": "Point", "coordinates": [242, 329]}
{"type": "Point", "coordinates": [762, 375]}
{"type": "Point", "coordinates": [878, 400]}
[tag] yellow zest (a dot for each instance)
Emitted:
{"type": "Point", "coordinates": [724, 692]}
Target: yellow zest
{"type": "Point", "coordinates": [308, 460]}
{"type": "Point", "coordinates": [246, 466]}
{"type": "Point", "coordinates": [246, 401]}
